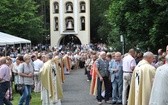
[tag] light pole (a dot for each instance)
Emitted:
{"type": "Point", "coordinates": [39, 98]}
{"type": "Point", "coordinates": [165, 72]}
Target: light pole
{"type": "Point", "coordinates": [122, 42]}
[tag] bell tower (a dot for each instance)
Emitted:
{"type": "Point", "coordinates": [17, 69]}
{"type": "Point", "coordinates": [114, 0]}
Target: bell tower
{"type": "Point", "coordinates": [69, 22]}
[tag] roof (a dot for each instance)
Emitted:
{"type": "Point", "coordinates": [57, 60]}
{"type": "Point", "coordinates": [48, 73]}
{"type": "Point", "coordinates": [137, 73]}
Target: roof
{"type": "Point", "coordinates": [7, 39]}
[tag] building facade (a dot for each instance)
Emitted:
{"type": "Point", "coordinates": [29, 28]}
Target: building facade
{"type": "Point", "coordinates": [69, 22]}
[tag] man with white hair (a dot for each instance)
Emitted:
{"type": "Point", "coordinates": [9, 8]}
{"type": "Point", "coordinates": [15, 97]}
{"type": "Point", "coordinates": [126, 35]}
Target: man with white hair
{"type": "Point", "coordinates": [103, 76]}
{"type": "Point", "coordinates": [159, 91]}
{"type": "Point", "coordinates": [116, 72]}
{"type": "Point", "coordinates": [142, 79]}
{"type": "Point", "coordinates": [48, 75]}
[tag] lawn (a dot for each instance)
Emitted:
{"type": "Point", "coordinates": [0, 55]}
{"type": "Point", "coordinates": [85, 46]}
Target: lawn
{"type": "Point", "coordinates": [34, 101]}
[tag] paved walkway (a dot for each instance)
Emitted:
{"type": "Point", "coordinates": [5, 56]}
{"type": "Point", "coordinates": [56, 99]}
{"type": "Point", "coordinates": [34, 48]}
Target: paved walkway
{"type": "Point", "coordinates": [76, 90]}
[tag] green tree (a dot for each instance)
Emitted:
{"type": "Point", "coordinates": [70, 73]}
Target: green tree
{"type": "Point", "coordinates": [43, 10]}
{"type": "Point", "coordinates": [159, 32]}
{"type": "Point", "coordinates": [20, 18]}
{"type": "Point", "coordinates": [99, 25]}
{"type": "Point", "coordinates": [115, 17]}
{"type": "Point", "coordinates": [142, 22]}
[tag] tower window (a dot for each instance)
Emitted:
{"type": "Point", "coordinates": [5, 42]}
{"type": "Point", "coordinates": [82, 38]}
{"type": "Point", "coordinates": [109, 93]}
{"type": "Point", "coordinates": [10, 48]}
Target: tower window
{"type": "Point", "coordinates": [69, 7]}
{"type": "Point", "coordinates": [56, 7]}
{"type": "Point", "coordinates": [56, 23]}
{"type": "Point", "coordinates": [82, 7]}
{"type": "Point", "coordinates": [69, 23]}
{"type": "Point", "coordinates": [82, 23]}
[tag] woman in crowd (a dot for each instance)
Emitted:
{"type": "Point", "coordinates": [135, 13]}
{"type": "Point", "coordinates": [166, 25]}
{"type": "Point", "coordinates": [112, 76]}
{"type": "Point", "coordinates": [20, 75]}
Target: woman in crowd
{"type": "Point", "coordinates": [19, 60]}
{"type": "Point", "coordinates": [25, 72]}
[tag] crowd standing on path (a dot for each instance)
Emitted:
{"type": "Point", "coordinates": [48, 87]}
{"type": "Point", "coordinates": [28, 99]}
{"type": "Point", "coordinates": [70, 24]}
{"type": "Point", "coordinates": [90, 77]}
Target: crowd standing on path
{"type": "Point", "coordinates": [129, 79]}
{"type": "Point", "coordinates": [132, 75]}
{"type": "Point", "coordinates": [40, 71]}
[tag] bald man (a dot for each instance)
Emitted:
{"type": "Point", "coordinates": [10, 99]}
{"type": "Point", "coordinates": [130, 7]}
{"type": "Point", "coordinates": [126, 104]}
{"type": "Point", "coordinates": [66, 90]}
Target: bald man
{"type": "Point", "coordinates": [142, 79]}
{"type": "Point", "coordinates": [116, 73]}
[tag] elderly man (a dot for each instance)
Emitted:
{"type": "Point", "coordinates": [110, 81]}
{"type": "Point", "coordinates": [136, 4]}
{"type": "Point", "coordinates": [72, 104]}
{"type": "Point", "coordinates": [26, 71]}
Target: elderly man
{"type": "Point", "coordinates": [129, 64]}
{"type": "Point", "coordinates": [115, 68]}
{"type": "Point", "coordinates": [159, 92]}
{"type": "Point", "coordinates": [49, 93]}
{"type": "Point", "coordinates": [103, 76]}
{"type": "Point", "coordinates": [4, 81]}
{"type": "Point", "coordinates": [142, 79]}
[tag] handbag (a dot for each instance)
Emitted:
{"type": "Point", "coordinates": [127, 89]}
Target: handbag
{"type": "Point", "coordinates": [20, 87]}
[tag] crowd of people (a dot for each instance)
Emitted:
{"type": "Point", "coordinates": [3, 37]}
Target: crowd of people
{"type": "Point", "coordinates": [134, 78]}
{"type": "Point", "coordinates": [37, 71]}
{"type": "Point", "coordinates": [129, 79]}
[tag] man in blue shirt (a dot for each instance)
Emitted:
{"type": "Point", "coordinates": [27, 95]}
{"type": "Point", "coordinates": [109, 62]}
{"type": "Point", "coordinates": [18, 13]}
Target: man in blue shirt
{"type": "Point", "coordinates": [116, 73]}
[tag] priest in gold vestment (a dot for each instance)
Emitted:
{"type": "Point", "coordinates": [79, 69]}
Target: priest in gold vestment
{"type": "Point", "coordinates": [142, 80]}
{"type": "Point", "coordinates": [59, 61]}
{"type": "Point", "coordinates": [48, 75]}
{"type": "Point", "coordinates": [67, 64]}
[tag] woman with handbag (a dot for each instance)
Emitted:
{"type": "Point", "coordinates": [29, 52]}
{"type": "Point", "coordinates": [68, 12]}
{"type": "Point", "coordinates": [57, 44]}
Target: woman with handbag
{"type": "Point", "coordinates": [25, 72]}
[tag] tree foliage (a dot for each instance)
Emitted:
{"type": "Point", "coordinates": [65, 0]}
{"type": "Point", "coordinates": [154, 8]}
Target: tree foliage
{"type": "Point", "coordinates": [20, 18]}
{"type": "Point", "coordinates": [142, 22]}
{"type": "Point", "coordinates": [99, 25]}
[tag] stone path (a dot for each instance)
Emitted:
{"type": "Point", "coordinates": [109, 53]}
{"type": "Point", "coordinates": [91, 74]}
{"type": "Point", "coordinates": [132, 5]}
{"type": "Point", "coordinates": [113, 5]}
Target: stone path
{"type": "Point", "coordinates": [76, 90]}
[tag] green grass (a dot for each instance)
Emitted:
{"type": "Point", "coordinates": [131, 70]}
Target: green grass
{"type": "Point", "coordinates": [36, 99]}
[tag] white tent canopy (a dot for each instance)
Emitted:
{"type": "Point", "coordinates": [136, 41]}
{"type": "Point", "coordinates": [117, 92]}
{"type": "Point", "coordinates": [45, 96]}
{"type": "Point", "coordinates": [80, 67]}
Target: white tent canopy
{"type": "Point", "coordinates": [7, 39]}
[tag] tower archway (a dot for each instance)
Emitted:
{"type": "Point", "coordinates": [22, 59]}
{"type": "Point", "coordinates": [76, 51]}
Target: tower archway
{"type": "Point", "coordinates": [70, 40]}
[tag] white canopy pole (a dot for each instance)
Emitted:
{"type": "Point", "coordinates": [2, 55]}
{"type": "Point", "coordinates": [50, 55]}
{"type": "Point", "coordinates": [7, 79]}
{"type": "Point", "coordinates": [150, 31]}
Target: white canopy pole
{"type": "Point", "coordinates": [5, 50]}
{"type": "Point", "coordinates": [20, 48]}
{"type": "Point", "coordinates": [26, 48]}
{"type": "Point", "coordinates": [30, 47]}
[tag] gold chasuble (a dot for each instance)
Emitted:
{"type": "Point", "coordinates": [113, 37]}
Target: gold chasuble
{"type": "Point", "coordinates": [50, 93]}
{"type": "Point", "coordinates": [67, 64]}
{"type": "Point", "coordinates": [46, 80]}
{"type": "Point", "coordinates": [141, 84]}
{"type": "Point", "coordinates": [59, 79]}
{"type": "Point", "coordinates": [62, 70]}
{"type": "Point", "coordinates": [59, 62]}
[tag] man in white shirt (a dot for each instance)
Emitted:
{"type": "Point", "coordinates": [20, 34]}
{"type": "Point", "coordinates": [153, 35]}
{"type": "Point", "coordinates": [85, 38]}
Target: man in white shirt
{"type": "Point", "coordinates": [129, 64]}
{"type": "Point", "coordinates": [38, 63]}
